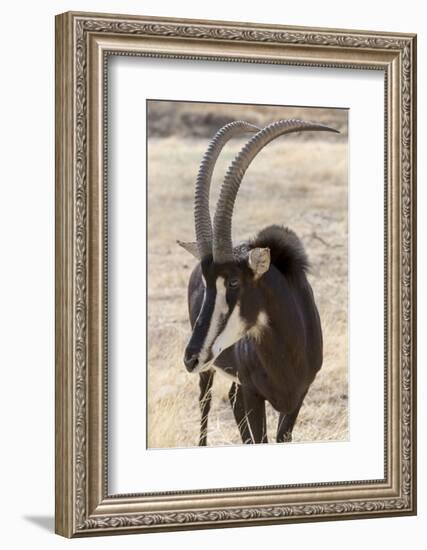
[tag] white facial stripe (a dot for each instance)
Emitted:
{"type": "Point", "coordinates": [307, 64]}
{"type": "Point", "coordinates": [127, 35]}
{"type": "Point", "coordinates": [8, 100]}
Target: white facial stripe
{"type": "Point", "coordinates": [220, 309]}
{"type": "Point", "coordinates": [233, 331]}
{"type": "Point", "coordinates": [203, 305]}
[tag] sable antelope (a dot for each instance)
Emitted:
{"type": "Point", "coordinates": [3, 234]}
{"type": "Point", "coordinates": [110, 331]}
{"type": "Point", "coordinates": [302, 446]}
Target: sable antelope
{"type": "Point", "coordinates": [251, 307]}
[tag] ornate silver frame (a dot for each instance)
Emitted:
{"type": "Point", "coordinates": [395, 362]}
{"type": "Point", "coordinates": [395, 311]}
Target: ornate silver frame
{"type": "Point", "coordinates": [83, 42]}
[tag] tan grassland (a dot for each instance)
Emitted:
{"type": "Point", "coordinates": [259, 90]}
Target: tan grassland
{"type": "Point", "coordinates": [296, 181]}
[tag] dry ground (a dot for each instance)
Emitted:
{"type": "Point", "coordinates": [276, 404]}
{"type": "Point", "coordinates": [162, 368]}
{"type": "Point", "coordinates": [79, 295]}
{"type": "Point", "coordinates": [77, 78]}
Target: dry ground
{"type": "Point", "coordinates": [300, 183]}
{"type": "Point", "coordinates": [202, 120]}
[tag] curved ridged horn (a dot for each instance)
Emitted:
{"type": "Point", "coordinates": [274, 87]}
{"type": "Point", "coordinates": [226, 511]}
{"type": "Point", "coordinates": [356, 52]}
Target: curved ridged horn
{"type": "Point", "coordinates": [202, 219]}
{"type": "Point", "coordinates": [222, 242]}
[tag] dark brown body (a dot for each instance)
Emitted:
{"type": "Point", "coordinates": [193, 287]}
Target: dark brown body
{"type": "Point", "coordinates": [278, 361]}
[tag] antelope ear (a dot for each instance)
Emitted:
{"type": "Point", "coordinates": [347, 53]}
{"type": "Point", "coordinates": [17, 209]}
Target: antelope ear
{"type": "Point", "coordinates": [190, 247]}
{"type": "Point", "coordinates": [259, 261]}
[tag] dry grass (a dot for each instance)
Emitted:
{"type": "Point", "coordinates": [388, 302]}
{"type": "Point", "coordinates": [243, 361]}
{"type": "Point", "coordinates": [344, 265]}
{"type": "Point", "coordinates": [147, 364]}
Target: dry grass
{"type": "Point", "coordinates": [302, 184]}
{"type": "Point", "coordinates": [168, 118]}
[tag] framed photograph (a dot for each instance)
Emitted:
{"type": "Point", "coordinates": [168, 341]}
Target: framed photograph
{"type": "Point", "coordinates": [235, 274]}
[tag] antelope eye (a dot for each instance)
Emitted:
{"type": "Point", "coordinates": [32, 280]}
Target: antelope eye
{"type": "Point", "coordinates": [233, 282]}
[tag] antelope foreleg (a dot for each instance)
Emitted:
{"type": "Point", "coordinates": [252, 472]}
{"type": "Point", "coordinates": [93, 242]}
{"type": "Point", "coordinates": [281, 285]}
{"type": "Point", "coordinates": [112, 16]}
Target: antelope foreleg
{"type": "Point", "coordinates": [205, 398]}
